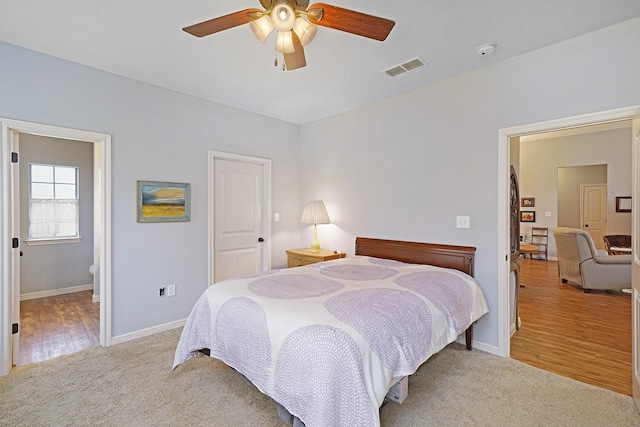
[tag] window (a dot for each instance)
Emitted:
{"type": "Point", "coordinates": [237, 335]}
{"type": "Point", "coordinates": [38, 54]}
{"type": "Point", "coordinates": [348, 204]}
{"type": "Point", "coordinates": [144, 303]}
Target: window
{"type": "Point", "coordinates": [53, 202]}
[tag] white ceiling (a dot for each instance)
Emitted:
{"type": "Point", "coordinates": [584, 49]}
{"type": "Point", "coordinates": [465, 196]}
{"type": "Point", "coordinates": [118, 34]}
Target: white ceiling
{"type": "Point", "coordinates": [143, 39]}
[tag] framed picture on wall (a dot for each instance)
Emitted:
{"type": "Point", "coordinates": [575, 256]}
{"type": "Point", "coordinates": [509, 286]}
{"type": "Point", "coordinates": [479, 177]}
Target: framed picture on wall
{"type": "Point", "coordinates": [528, 202]}
{"type": "Point", "coordinates": [163, 201]}
{"type": "Point", "coordinates": [527, 216]}
{"type": "Point", "coordinates": [623, 204]}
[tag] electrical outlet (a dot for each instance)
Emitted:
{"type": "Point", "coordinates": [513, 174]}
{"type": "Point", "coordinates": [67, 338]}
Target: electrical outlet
{"type": "Point", "coordinates": [171, 290]}
{"type": "Point", "coordinates": [162, 291]}
{"type": "Point", "coordinates": [462, 222]}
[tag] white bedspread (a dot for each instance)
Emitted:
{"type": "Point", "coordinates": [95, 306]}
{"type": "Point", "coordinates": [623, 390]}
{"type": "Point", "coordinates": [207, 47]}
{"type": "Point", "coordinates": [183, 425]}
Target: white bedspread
{"type": "Point", "coordinates": [328, 340]}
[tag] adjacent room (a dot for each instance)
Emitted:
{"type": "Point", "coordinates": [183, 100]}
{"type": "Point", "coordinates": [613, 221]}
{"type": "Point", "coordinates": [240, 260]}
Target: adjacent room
{"type": "Point", "coordinates": [59, 298]}
{"type": "Point", "coordinates": [573, 179]}
{"type": "Point", "coordinates": [187, 145]}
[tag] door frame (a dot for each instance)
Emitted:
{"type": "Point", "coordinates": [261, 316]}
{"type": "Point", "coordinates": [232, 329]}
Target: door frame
{"type": "Point", "coordinates": [635, 266]}
{"type": "Point", "coordinates": [266, 200]}
{"type": "Point", "coordinates": [504, 135]}
{"type": "Point", "coordinates": [102, 213]}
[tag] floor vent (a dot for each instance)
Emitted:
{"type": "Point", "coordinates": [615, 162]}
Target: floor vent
{"type": "Point", "coordinates": [407, 66]}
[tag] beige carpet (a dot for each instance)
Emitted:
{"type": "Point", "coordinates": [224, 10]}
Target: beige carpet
{"type": "Point", "coordinates": [132, 384]}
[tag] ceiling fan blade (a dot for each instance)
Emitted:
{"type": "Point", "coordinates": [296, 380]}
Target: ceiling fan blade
{"type": "Point", "coordinates": [352, 22]}
{"type": "Point", "coordinates": [221, 23]}
{"type": "Point", "coordinates": [296, 59]}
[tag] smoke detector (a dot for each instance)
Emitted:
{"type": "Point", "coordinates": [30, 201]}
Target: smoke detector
{"type": "Point", "coordinates": [486, 49]}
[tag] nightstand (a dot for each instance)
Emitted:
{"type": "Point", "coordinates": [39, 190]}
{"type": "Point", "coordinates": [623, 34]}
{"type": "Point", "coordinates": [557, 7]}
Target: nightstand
{"type": "Point", "coordinates": [304, 256]}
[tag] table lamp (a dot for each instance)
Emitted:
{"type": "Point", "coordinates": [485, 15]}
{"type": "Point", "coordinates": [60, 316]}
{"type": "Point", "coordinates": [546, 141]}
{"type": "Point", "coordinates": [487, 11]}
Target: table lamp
{"type": "Point", "coordinates": [315, 213]}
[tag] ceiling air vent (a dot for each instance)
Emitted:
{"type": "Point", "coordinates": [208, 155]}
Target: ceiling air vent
{"type": "Point", "coordinates": [412, 64]}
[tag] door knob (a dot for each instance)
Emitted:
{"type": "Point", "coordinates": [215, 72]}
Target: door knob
{"type": "Point", "coordinates": [260, 239]}
{"type": "Point", "coordinates": [21, 253]}
{"type": "Point", "coordinates": [586, 225]}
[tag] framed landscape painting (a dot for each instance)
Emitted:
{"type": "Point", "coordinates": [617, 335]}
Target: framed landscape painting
{"type": "Point", "coordinates": [163, 201]}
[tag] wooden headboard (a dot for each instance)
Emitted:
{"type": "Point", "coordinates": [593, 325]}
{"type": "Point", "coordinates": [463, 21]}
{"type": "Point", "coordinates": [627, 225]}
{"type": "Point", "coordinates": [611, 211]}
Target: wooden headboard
{"type": "Point", "coordinates": [448, 256]}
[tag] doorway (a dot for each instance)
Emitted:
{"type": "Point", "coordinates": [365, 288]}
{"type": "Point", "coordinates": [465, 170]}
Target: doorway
{"type": "Point", "coordinates": [59, 299]}
{"type": "Point", "coordinates": [557, 313]}
{"type": "Point", "coordinates": [9, 233]}
{"type": "Point", "coordinates": [505, 284]}
{"type": "Point", "coordinates": [582, 197]}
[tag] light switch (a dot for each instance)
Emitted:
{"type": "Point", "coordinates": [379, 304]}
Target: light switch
{"type": "Point", "coordinates": [462, 222]}
{"type": "Point", "coordinates": [276, 217]}
{"type": "Point", "coordinates": [547, 214]}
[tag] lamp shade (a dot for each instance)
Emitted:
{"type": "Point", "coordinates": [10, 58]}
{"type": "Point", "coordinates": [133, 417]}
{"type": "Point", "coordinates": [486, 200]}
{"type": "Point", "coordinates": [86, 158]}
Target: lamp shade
{"type": "Point", "coordinates": [262, 27]}
{"type": "Point", "coordinates": [315, 213]}
{"type": "Point", "coordinates": [284, 43]}
{"type": "Point", "coordinates": [304, 30]}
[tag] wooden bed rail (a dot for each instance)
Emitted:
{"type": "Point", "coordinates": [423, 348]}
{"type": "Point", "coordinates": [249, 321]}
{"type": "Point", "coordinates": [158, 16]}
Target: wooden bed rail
{"type": "Point", "coordinates": [448, 256]}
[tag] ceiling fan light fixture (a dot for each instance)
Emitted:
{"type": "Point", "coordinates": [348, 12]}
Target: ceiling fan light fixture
{"type": "Point", "coordinates": [283, 17]}
{"type": "Point", "coordinates": [284, 44]}
{"type": "Point", "coordinates": [262, 27]}
{"type": "Point", "coordinates": [304, 30]}
{"type": "Point", "coordinates": [296, 24]}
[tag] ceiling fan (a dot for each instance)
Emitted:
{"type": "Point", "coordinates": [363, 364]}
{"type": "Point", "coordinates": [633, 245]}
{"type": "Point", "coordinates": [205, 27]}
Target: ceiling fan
{"type": "Point", "coordinates": [296, 23]}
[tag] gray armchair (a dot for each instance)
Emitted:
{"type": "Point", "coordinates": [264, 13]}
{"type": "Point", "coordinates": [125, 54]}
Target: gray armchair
{"type": "Point", "coordinates": [580, 262]}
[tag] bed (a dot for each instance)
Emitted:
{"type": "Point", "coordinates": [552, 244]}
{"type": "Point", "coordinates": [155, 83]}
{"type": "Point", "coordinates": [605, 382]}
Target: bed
{"type": "Point", "coordinates": [326, 341]}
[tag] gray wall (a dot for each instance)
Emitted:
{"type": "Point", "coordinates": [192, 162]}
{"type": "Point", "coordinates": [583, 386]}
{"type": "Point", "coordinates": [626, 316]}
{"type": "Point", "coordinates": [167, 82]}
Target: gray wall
{"type": "Point", "coordinates": [157, 135]}
{"type": "Point", "coordinates": [49, 267]}
{"type": "Point", "coordinates": [406, 167]}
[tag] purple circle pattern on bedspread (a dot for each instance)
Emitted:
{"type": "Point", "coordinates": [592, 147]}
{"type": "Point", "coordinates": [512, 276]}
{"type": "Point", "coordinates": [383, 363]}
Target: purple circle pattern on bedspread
{"type": "Point", "coordinates": [293, 286]}
{"type": "Point", "coordinates": [245, 345]}
{"type": "Point", "coordinates": [358, 272]}
{"type": "Point", "coordinates": [311, 362]}
{"type": "Point", "coordinates": [404, 316]}
{"type": "Point", "coordinates": [450, 294]}
{"type": "Point", "coordinates": [386, 262]}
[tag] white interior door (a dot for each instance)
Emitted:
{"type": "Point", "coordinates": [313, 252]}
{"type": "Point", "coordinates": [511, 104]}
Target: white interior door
{"type": "Point", "coordinates": [240, 218]}
{"type": "Point", "coordinates": [594, 212]}
{"type": "Point", "coordinates": [635, 269]}
{"type": "Point", "coordinates": [16, 251]}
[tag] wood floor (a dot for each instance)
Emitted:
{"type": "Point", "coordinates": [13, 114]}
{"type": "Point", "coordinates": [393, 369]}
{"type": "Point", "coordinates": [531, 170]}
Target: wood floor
{"type": "Point", "coordinates": [584, 336]}
{"type": "Point", "coordinates": [57, 325]}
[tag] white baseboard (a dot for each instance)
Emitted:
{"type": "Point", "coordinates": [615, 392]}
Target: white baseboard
{"type": "Point", "coordinates": [148, 331]}
{"type": "Point", "coordinates": [478, 345]}
{"type": "Point", "coordinates": [492, 349]}
{"type": "Point", "coordinates": [54, 292]}
{"type": "Point", "coordinates": [95, 298]}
